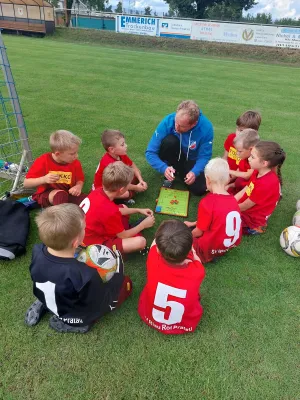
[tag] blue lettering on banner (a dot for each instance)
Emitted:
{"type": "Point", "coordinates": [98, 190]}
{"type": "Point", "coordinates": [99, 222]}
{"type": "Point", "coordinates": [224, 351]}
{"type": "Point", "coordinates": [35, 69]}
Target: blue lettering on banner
{"type": "Point", "coordinates": [136, 20]}
{"type": "Point", "coordinates": [164, 25]}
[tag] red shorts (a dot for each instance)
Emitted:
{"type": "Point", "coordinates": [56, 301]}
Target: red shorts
{"type": "Point", "coordinates": [43, 198]}
{"type": "Point", "coordinates": [114, 244]}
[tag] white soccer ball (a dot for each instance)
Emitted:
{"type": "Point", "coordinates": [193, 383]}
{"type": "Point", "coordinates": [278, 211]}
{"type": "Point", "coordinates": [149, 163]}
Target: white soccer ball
{"type": "Point", "coordinates": [100, 257]}
{"type": "Point", "coordinates": [290, 241]}
{"type": "Point", "coordinates": [13, 167]}
{"type": "Point", "coordinates": [296, 218]}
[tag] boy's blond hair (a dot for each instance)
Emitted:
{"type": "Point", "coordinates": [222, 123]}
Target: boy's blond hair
{"type": "Point", "coordinates": [62, 140]}
{"type": "Point", "coordinates": [247, 138]}
{"type": "Point", "coordinates": [217, 170]}
{"type": "Point", "coordinates": [190, 108]}
{"type": "Point", "coordinates": [116, 175]}
{"type": "Point", "coordinates": [249, 119]}
{"type": "Point", "coordinates": [59, 225]}
{"type": "Point", "coordinates": [110, 137]}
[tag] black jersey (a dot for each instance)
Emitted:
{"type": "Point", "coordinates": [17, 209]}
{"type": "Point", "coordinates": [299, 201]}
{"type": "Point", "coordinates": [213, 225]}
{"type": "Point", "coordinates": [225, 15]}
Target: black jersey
{"type": "Point", "coordinates": [72, 290]}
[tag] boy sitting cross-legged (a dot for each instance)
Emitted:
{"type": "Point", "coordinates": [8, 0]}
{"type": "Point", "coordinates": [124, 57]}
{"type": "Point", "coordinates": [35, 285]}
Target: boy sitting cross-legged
{"type": "Point", "coordinates": [57, 175]}
{"type": "Point", "coordinates": [108, 223]}
{"type": "Point", "coordinates": [170, 300]}
{"type": "Point", "coordinates": [115, 146]}
{"type": "Point", "coordinates": [218, 227]}
{"type": "Point", "coordinates": [72, 291]}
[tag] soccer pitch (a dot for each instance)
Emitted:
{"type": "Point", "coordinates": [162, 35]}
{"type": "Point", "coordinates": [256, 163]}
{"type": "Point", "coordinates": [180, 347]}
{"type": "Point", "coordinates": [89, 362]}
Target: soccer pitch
{"type": "Point", "coordinates": [246, 346]}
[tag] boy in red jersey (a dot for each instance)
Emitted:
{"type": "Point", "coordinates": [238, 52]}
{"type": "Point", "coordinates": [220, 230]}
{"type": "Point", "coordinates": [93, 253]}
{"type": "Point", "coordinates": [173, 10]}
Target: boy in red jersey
{"type": "Point", "coordinates": [170, 301]}
{"type": "Point", "coordinates": [107, 223]}
{"type": "Point", "coordinates": [259, 198]}
{"type": "Point", "coordinates": [249, 119]}
{"type": "Point", "coordinates": [58, 175]}
{"type": "Point", "coordinates": [218, 227]}
{"type": "Point", "coordinates": [115, 146]}
{"type": "Point", "coordinates": [243, 143]}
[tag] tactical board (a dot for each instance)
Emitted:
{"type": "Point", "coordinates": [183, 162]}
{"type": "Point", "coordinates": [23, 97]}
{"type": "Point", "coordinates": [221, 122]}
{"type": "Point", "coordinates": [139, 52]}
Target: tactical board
{"type": "Point", "coordinates": [173, 202]}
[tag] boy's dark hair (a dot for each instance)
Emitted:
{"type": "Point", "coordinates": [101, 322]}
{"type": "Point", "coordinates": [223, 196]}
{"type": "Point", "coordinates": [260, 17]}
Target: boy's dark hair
{"type": "Point", "coordinates": [174, 241]}
{"type": "Point", "coordinates": [249, 119]}
{"type": "Point", "coordinates": [110, 137]}
{"type": "Point", "coordinates": [273, 154]}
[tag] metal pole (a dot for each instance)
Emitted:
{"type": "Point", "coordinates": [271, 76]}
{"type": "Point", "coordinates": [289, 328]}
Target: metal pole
{"type": "Point", "coordinates": [9, 80]}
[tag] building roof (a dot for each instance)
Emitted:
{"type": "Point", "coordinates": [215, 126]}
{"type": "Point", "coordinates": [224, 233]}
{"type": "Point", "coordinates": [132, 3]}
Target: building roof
{"type": "Point", "coordinates": [40, 3]}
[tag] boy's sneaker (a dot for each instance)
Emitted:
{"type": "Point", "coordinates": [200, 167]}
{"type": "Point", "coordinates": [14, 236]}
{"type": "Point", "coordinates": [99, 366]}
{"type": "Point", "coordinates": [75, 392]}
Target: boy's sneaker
{"type": "Point", "coordinates": [145, 251]}
{"type": "Point", "coordinates": [59, 326]}
{"type": "Point", "coordinates": [167, 184]}
{"type": "Point", "coordinates": [130, 202]}
{"type": "Point", "coordinates": [34, 313]}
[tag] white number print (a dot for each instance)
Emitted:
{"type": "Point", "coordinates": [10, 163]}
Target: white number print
{"type": "Point", "coordinates": [48, 288]}
{"type": "Point", "coordinates": [233, 226]}
{"type": "Point", "coordinates": [85, 205]}
{"type": "Point", "coordinates": [161, 301]}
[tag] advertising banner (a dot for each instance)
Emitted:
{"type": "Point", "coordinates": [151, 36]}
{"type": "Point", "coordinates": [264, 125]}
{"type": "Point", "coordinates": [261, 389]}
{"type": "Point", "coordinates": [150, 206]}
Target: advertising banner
{"type": "Point", "coordinates": [175, 28]}
{"type": "Point", "coordinates": [288, 37]}
{"type": "Point", "coordinates": [258, 35]}
{"type": "Point", "coordinates": [137, 25]}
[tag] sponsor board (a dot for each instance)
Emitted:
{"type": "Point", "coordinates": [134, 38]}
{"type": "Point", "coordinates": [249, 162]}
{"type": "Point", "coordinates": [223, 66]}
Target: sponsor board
{"type": "Point", "coordinates": [137, 25]}
{"type": "Point", "coordinates": [175, 28]}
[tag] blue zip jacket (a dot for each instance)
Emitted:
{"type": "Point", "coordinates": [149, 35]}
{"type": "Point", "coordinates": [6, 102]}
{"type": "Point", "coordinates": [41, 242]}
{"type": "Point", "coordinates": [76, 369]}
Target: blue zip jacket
{"type": "Point", "coordinates": [196, 144]}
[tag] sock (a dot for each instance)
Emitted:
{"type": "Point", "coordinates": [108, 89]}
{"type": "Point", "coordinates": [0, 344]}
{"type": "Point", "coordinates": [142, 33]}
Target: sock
{"type": "Point", "coordinates": [60, 198]}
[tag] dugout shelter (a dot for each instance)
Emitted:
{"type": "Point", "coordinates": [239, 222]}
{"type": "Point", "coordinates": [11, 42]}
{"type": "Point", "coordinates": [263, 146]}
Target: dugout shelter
{"type": "Point", "coordinates": [35, 16]}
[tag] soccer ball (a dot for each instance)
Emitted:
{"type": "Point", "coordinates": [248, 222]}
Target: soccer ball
{"type": "Point", "coordinates": [296, 218]}
{"type": "Point", "coordinates": [100, 257]}
{"type": "Point", "coordinates": [290, 241]}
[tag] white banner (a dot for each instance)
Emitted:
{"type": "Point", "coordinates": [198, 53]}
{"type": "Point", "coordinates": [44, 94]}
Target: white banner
{"type": "Point", "coordinates": [137, 25]}
{"type": "Point", "coordinates": [175, 28]}
{"type": "Point", "coordinates": [259, 35]}
{"type": "Point", "coordinates": [288, 37]}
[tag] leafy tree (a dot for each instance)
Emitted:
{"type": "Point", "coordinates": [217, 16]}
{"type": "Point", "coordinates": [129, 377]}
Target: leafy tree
{"type": "Point", "coordinates": [198, 8]}
{"type": "Point", "coordinates": [119, 8]}
{"type": "Point", "coordinates": [155, 14]}
{"type": "Point", "coordinates": [224, 12]}
{"type": "Point", "coordinates": [287, 21]}
{"type": "Point", "coordinates": [148, 10]}
{"type": "Point", "coordinates": [108, 8]}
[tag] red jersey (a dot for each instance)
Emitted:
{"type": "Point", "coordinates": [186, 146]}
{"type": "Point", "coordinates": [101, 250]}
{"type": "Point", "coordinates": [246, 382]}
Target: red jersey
{"type": "Point", "coordinates": [232, 158]}
{"type": "Point", "coordinates": [104, 162]}
{"type": "Point", "coordinates": [69, 174]}
{"type": "Point", "coordinates": [220, 219]}
{"type": "Point", "coordinates": [103, 218]}
{"type": "Point", "coordinates": [170, 301]}
{"type": "Point", "coordinates": [264, 191]}
{"type": "Point", "coordinates": [240, 183]}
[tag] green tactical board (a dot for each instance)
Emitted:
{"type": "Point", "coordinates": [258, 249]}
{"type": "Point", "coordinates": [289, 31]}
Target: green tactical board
{"type": "Point", "coordinates": [173, 202]}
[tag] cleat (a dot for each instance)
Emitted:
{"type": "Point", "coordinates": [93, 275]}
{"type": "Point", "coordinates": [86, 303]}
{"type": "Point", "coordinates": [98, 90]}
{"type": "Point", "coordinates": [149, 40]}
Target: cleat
{"type": "Point", "coordinates": [34, 313]}
{"type": "Point", "coordinates": [59, 326]}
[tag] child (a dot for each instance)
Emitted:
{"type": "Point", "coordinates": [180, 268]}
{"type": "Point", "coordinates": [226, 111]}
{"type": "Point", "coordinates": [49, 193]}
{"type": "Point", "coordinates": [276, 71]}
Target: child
{"type": "Point", "coordinates": [218, 227]}
{"type": "Point", "coordinates": [249, 119]}
{"type": "Point", "coordinates": [259, 198]}
{"type": "Point", "coordinates": [108, 224]}
{"type": "Point", "coordinates": [73, 292]}
{"type": "Point", "coordinates": [243, 143]}
{"type": "Point", "coordinates": [170, 301]}
{"type": "Point", "coordinates": [113, 142]}
{"type": "Point", "coordinates": [58, 175]}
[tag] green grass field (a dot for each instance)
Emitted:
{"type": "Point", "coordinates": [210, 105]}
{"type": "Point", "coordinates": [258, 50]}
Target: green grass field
{"type": "Point", "coordinates": [247, 344]}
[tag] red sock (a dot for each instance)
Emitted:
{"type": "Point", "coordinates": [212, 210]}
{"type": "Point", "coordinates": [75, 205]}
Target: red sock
{"type": "Point", "coordinates": [60, 198]}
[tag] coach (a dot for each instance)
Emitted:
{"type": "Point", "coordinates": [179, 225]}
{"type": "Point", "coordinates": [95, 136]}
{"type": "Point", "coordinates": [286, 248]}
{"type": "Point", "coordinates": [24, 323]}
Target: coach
{"type": "Point", "coordinates": [181, 147]}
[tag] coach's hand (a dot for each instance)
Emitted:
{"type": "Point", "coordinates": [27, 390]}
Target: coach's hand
{"type": "Point", "coordinates": [170, 174]}
{"type": "Point", "coordinates": [190, 178]}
